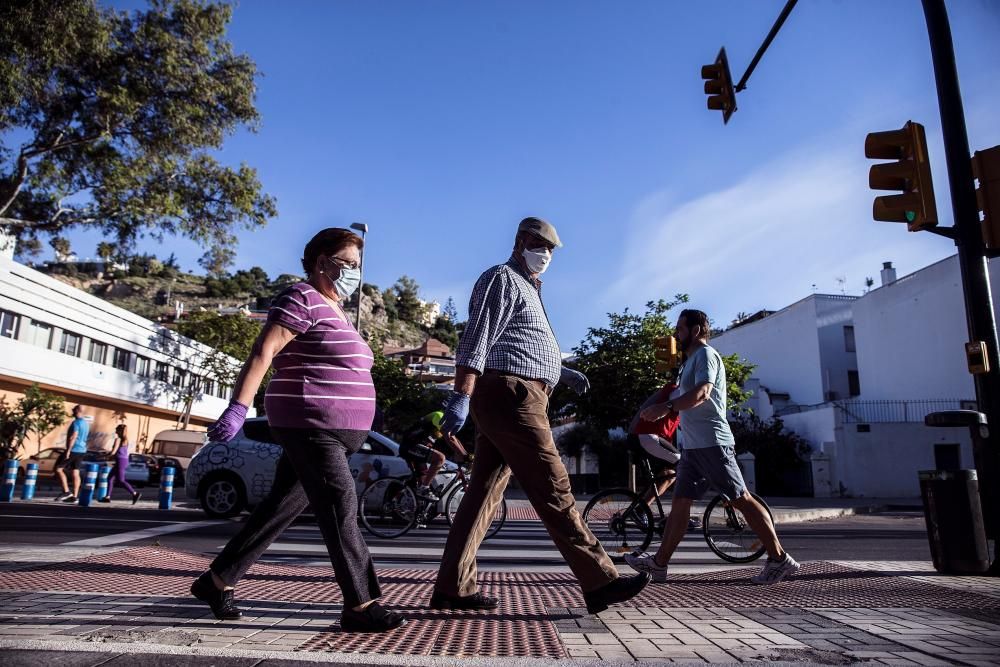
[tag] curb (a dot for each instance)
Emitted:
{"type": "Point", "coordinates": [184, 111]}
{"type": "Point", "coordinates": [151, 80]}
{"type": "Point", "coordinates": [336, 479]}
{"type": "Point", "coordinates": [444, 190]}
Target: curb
{"type": "Point", "coordinates": [159, 651]}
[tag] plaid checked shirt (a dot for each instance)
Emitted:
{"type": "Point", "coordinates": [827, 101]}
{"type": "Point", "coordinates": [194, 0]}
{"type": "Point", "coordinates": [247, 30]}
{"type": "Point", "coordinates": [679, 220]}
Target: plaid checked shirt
{"type": "Point", "coordinates": [508, 329]}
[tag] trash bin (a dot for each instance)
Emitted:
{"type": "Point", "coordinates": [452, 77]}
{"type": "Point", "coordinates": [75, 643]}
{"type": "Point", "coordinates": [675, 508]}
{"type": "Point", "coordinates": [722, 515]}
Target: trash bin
{"type": "Point", "coordinates": [954, 520]}
{"type": "Point", "coordinates": [986, 461]}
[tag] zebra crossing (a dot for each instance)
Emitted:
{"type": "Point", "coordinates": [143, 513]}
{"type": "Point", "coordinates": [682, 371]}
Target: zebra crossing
{"type": "Point", "coordinates": [519, 546]}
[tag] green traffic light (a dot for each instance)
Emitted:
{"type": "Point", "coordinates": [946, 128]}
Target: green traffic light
{"type": "Point", "coordinates": [911, 216]}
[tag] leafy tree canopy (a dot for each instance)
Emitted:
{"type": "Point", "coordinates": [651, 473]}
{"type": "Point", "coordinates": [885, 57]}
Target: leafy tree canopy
{"type": "Point", "coordinates": [108, 119]}
{"type": "Point", "coordinates": [619, 361]}
{"type": "Point", "coordinates": [37, 412]}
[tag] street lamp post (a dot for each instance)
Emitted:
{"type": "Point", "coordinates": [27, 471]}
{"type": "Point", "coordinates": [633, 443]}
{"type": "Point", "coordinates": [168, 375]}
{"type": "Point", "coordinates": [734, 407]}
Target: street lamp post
{"type": "Point", "coordinates": [363, 228]}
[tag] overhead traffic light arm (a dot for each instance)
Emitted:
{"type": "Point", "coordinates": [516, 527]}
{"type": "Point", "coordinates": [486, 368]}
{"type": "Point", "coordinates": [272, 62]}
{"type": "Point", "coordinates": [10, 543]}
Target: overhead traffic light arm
{"type": "Point", "coordinates": [767, 42]}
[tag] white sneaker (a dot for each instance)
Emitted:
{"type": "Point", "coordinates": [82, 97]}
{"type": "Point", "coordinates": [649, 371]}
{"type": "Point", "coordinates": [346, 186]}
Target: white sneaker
{"type": "Point", "coordinates": [645, 562]}
{"type": "Point", "coordinates": [776, 570]}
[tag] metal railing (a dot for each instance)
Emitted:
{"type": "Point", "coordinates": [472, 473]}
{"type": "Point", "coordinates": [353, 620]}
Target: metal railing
{"type": "Point", "coordinates": [883, 412]}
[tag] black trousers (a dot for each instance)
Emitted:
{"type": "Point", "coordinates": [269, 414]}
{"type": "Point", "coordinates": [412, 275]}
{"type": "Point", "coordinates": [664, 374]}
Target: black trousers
{"type": "Point", "coordinates": [313, 470]}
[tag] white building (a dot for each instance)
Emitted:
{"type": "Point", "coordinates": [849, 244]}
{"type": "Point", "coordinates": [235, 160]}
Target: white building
{"type": "Point", "coordinates": [899, 353]}
{"type": "Point", "coordinates": [122, 367]}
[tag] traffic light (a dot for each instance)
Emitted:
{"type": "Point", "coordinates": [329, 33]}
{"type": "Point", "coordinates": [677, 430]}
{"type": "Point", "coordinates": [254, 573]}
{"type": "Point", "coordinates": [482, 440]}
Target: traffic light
{"type": "Point", "coordinates": [719, 86]}
{"type": "Point", "coordinates": [986, 169]}
{"type": "Point", "coordinates": [910, 174]}
{"type": "Point", "coordinates": [665, 352]}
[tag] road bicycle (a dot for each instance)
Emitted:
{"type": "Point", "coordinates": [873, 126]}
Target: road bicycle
{"type": "Point", "coordinates": [623, 522]}
{"type": "Point", "coordinates": [391, 507]}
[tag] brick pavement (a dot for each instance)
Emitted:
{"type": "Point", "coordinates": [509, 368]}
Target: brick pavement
{"type": "Point", "coordinates": [833, 613]}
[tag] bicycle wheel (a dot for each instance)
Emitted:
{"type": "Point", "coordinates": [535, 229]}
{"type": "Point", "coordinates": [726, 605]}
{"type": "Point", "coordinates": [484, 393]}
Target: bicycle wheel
{"type": "Point", "coordinates": [729, 535]}
{"type": "Point", "coordinates": [620, 520]}
{"type": "Point", "coordinates": [455, 498]}
{"type": "Point", "coordinates": [388, 507]}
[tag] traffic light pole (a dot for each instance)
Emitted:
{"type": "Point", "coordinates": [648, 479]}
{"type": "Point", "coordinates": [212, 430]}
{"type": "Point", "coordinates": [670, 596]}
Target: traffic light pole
{"type": "Point", "coordinates": [972, 257]}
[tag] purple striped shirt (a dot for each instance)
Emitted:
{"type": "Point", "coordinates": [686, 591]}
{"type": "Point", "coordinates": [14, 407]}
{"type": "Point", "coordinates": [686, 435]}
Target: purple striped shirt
{"type": "Point", "coordinates": [322, 378]}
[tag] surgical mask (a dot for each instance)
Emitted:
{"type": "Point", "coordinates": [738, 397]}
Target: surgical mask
{"type": "Point", "coordinates": [347, 283]}
{"type": "Point", "coordinates": [537, 260]}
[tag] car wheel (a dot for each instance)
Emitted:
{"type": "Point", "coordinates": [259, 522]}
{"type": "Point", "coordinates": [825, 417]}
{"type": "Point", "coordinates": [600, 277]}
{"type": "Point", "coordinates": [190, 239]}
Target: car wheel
{"type": "Point", "coordinates": [222, 495]}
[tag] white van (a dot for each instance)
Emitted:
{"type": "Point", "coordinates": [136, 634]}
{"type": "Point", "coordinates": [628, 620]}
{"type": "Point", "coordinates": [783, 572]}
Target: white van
{"type": "Point", "coordinates": [177, 448]}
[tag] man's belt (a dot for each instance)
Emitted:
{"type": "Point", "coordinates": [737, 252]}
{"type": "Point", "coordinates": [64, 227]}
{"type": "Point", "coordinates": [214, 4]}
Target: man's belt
{"type": "Point", "coordinates": [540, 383]}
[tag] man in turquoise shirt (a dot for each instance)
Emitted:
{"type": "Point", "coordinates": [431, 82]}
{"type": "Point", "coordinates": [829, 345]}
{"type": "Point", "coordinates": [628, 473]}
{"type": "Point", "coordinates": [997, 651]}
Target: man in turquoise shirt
{"type": "Point", "coordinates": [72, 457]}
{"type": "Point", "coordinates": [708, 457]}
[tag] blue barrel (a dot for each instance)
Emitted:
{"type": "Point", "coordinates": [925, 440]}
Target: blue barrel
{"type": "Point", "coordinates": [166, 487]}
{"type": "Point", "coordinates": [9, 480]}
{"type": "Point", "coordinates": [102, 481]}
{"type": "Point", "coordinates": [30, 477]}
{"type": "Point", "coordinates": [89, 482]}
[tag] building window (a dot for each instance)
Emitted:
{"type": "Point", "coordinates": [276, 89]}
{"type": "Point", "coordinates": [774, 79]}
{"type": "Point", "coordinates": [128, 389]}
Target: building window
{"type": "Point", "coordinates": [194, 382]}
{"type": "Point", "coordinates": [853, 383]}
{"type": "Point", "coordinates": [223, 391]}
{"type": "Point", "coordinates": [209, 387]}
{"type": "Point", "coordinates": [178, 380]}
{"type": "Point", "coordinates": [142, 366]}
{"type": "Point", "coordinates": [71, 344]}
{"type": "Point", "coordinates": [9, 324]}
{"type": "Point", "coordinates": [162, 372]}
{"type": "Point", "coordinates": [40, 334]}
{"type": "Point", "coordinates": [121, 359]}
{"type": "Point", "coordinates": [98, 352]}
{"type": "Point", "coordinates": [849, 339]}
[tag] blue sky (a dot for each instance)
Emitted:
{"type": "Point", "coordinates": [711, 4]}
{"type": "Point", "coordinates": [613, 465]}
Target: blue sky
{"type": "Point", "coordinates": [441, 124]}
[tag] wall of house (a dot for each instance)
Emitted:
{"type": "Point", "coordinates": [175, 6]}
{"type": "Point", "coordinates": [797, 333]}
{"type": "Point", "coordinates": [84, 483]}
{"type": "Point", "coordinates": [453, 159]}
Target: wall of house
{"type": "Point", "coordinates": [785, 347]}
{"type": "Point", "coordinates": [911, 336]}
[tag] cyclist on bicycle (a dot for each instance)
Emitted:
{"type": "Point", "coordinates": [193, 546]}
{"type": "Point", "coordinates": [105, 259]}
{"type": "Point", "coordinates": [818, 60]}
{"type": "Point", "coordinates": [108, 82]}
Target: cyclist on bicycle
{"type": "Point", "coordinates": [426, 448]}
{"type": "Point", "coordinates": [655, 441]}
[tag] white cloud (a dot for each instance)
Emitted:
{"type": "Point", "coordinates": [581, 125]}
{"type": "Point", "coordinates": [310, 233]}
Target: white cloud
{"type": "Point", "coordinates": [802, 219]}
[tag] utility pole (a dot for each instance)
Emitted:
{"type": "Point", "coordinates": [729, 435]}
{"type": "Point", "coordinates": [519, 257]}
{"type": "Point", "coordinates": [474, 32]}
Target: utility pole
{"type": "Point", "coordinates": [972, 257]}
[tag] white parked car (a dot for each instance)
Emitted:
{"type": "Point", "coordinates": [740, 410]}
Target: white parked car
{"type": "Point", "coordinates": [227, 478]}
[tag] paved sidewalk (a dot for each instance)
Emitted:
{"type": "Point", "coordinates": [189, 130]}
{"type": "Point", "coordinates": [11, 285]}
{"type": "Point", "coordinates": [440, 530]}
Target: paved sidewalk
{"type": "Point", "coordinates": [134, 600]}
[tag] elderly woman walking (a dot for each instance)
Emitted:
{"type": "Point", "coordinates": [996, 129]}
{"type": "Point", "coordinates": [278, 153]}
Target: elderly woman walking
{"type": "Point", "coordinates": [320, 404]}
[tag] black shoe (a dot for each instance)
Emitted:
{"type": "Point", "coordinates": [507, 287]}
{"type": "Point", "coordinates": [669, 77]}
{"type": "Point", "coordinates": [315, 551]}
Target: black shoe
{"type": "Point", "coordinates": [469, 602]}
{"type": "Point", "coordinates": [136, 496]}
{"type": "Point", "coordinates": [62, 496]}
{"type": "Point", "coordinates": [619, 590]}
{"type": "Point", "coordinates": [221, 602]}
{"type": "Point", "coordinates": [105, 499]}
{"type": "Point", "coordinates": [373, 618]}
{"type": "Point", "coordinates": [69, 499]}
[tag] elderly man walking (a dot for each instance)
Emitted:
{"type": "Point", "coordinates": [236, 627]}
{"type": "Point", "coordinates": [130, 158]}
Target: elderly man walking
{"type": "Point", "coordinates": [508, 363]}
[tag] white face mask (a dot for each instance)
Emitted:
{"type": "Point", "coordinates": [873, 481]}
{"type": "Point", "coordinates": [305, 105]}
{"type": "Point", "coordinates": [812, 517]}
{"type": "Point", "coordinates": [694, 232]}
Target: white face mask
{"type": "Point", "coordinates": [537, 260]}
{"type": "Point", "coordinates": [348, 281]}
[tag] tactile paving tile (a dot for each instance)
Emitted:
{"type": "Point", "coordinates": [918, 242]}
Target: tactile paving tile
{"type": "Point", "coordinates": [520, 627]}
{"type": "Point", "coordinates": [521, 513]}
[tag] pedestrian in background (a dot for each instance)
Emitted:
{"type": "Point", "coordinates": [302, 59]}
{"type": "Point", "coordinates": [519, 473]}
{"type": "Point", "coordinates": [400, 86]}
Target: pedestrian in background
{"type": "Point", "coordinates": [508, 362]}
{"type": "Point", "coordinates": [72, 457]}
{"type": "Point", "coordinates": [708, 459]}
{"type": "Point", "coordinates": [320, 405]}
{"type": "Point", "coordinates": [119, 454]}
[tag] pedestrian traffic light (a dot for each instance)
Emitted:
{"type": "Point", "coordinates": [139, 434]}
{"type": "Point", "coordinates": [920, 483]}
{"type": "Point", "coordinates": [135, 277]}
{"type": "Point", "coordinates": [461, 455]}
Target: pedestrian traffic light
{"type": "Point", "coordinates": [986, 169]}
{"type": "Point", "coordinates": [719, 86]}
{"type": "Point", "coordinates": [910, 174]}
{"type": "Point", "coordinates": [665, 352]}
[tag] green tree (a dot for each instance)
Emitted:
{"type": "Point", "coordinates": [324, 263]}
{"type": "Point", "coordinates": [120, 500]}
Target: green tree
{"type": "Point", "coordinates": [619, 361]}
{"type": "Point", "coordinates": [216, 261]}
{"type": "Point", "coordinates": [37, 412]}
{"type": "Point", "coordinates": [61, 246]}
{"type": "Point", "coordinates": [106, 250]}
{"type": "Point", "coordinates": [230, 337]}
{"type": "Point", "coordinates": [777, 451]}
{"type": "Point", "coordinates": [110, 120]}
{"type": "Point", "coordinates": [407, 300]}
{"type": "Point", "coordinates": [402, 398]}
{"type": "Point", "coordinates": [444, 331]}
{"type": "Point", "coordinates": [450, 311]}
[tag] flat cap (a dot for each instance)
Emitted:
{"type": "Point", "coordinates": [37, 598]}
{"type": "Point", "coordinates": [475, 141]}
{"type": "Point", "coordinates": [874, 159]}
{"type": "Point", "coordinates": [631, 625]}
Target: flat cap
{"type": "Point", "coordinates": [541, 229]}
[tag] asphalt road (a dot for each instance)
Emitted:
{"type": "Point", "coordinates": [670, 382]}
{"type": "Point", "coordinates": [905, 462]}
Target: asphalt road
{"type": "Point", "coordinates": [520, 545]}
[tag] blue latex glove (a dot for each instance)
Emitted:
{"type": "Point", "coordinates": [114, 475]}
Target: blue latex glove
{"type": "Point", "coordinates": [229, 422]}
{"type": "Point", "coordinates": [575, 380]}
{"type": "Point", "coordinates": [456, 411]}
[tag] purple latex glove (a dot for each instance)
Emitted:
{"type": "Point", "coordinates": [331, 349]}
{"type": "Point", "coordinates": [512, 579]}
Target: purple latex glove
{"type": "Point", "coordinates": [229, 422]}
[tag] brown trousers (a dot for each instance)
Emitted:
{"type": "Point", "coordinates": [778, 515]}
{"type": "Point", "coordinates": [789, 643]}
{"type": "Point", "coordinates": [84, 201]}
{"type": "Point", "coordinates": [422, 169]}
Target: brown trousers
{"type": "Point", "coordinates": [514, 436]}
